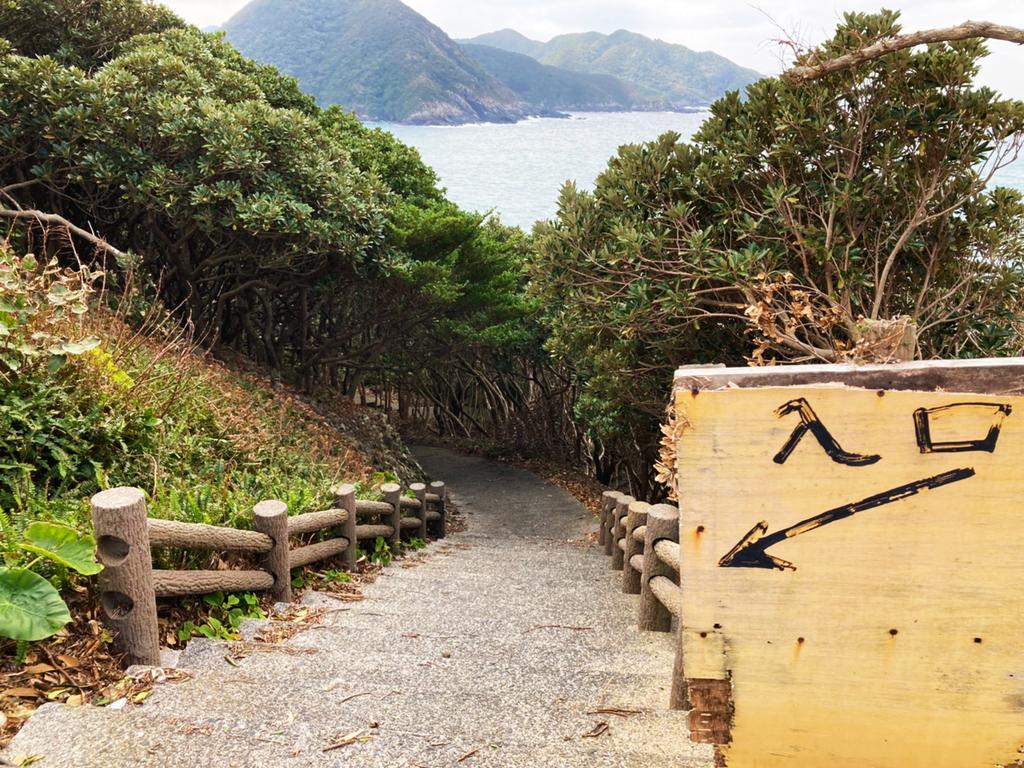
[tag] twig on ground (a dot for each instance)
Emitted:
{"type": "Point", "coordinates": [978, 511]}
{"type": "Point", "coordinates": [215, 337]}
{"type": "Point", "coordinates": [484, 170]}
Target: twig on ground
{"type": "Point", "coordinates": [559, 626]}
{"type": "Point", "coordinates": [347, 740]}
{"type": "Point", "coordinates": [598, 730]}
{"type": "Point", "coordinates": [615, 711]}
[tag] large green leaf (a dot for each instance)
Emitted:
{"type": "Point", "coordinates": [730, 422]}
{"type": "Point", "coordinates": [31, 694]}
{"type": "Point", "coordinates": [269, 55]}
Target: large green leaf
{"type": "Point", "coordinates": [80, 347]}
{"type": "Point", "coordinates": [30, 608]}
{"type": "Point", "coordinates": [63, 545]}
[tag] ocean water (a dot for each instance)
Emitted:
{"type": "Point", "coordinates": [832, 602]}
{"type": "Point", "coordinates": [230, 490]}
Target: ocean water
{"type": "Point", "coordinates": [517, 170]}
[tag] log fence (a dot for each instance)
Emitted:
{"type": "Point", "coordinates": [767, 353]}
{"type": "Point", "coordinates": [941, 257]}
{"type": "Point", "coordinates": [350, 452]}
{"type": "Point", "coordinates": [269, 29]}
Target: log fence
{"type": "Point", "coordinates": [643, 542]}
{"type": "Point", "coordinates": [130, 585]}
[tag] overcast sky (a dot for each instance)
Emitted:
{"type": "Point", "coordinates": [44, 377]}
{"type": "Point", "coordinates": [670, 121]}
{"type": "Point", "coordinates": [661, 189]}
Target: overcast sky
{"type": "Point", "coordinates": [743, 30]}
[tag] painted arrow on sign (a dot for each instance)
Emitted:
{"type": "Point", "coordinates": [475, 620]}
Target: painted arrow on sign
{"type": "Point", "coordinates": [751, 552]}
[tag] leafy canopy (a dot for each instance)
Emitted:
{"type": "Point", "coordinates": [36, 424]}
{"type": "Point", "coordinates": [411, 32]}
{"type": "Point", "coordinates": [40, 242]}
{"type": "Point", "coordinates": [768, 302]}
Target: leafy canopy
{"type": "Point", "coordinates": [799, 222]}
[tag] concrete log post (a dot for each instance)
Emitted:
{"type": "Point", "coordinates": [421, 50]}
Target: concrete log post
{"type": "Point", "coordinates": [442, 506]}
{"type": "Point", "coordinates": [601, 517]}
{"type": "Point", "coordinates": [345, 498]}
{"type": "Point", "coordinates": [618, 530]}
{"type": "Point", "coordinates": [662, 523]}
{"type": "Point", "coordinates": [607, 503]}
{"type": "Point", "coordinates": [393, 496]}
{"type": "Point", "coordinates": [608, 520]}
{"type": "Point", "coordinates": [420, 489]}
{"type": "Point", "coordinates": [271, 518]}
{"type": "Point", "coordinates": [636, 517]}
{"type": "Point", "coordinates": [127, 595]}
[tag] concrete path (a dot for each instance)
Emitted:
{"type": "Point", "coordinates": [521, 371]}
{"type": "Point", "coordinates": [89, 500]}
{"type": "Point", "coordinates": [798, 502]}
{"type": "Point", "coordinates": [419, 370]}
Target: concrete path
{"type": "Point", "coordinates": [494, 651]}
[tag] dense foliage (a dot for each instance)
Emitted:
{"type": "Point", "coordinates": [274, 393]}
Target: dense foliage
{"type": "Point", "coordinates": [805, 222]}
{"type": "Point", "coordinates": [273, 231]}
{"type": "Point", "coordinates": [293, 234]}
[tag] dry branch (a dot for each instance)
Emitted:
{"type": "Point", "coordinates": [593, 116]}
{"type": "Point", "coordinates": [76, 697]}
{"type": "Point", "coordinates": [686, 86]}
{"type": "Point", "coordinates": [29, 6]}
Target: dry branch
{"type": "Point", "coordinates": [967, 31]}
{"type": "Point", "coordinates": [54, 220]}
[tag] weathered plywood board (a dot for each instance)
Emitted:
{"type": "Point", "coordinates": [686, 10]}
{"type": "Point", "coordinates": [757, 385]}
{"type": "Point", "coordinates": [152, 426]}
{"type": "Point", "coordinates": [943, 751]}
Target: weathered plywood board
{"type": "Point", "coordinates": [877, 619]}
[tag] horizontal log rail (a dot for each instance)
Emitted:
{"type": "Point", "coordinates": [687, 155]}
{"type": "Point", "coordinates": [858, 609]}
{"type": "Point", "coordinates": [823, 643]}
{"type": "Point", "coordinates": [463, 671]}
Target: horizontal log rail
{"type": "Point", "coordinates": [373, 507]}
{"type": "Point", "coordinates": [313, 553]}
{"type": "Point", "coordinates": [411, 503]}
{"type": "Point", "coordinates": [130, 585]}
{"type": "Point", "coordinates": [317, 521]}
{"type": "Point", "coordinates": [373, 532]}
{"type": "Point", "coordinates": [668, 553]}
{"type": "Point", "coordinates": [643, 542]}
{"type": "Point", "coordinates": [668, 593]}
{"type": "Point", "coordinates": [170, 533]}
{"type": "Point", "coordinates": [182, 583]}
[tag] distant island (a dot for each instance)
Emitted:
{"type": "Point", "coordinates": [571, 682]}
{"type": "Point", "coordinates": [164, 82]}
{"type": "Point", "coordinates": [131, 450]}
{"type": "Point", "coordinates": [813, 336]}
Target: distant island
{"type": "Point", "coordinates": [383, 61]}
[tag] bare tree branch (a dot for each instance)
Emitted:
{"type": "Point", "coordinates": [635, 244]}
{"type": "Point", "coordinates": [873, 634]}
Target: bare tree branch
{"type": "Point", "coordinates": [966, 31]}
{"type": "Point", "coordinates": [54, 220]}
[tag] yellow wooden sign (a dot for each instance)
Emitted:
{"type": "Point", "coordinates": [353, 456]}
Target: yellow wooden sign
{"type": "Point", "coordinates": [853, 567]}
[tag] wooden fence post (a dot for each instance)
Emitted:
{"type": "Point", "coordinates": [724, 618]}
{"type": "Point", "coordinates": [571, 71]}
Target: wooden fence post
{"type": "Point", "coordinates": [679, 697]}
{"type": "Point", "coordinates": [127, 595]}
{"type": "Point", "coordinates": [609, 522]}
{"type": "Point", "coordinates": [393, 496]}
{"type": "Point", "coordinates": [607, 504]}
{"type": "Point", "coordinates": [636, 517]}
{"type": "Point", "coordinates": [345, 498]}
{"type": "Point", "coordinates": [420, 489]}
{"type": "Point", "coordinates": [662, 523]}
{"type": "Point", "coordinates": [618, 530]}
{"type": "Point", "coordinates": [271, 518]}
{"type": "Point", "coordinates": [438, 488]}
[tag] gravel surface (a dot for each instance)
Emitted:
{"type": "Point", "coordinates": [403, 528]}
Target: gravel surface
{"type": "Point", "coordinates": [495, 650]}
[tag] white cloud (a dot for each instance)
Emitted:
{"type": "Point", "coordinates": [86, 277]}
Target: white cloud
{"type": "Point", "coordinates": [743, 30]}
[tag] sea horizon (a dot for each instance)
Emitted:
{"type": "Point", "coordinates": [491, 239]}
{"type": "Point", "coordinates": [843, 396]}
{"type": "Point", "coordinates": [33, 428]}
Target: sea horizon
{"type": "Point", "coordinates": [518, 169]}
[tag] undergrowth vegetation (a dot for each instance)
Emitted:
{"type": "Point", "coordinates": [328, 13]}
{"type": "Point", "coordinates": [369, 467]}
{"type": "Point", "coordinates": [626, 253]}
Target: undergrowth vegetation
{"type": "Point", "coordinates": [141, 408]}
{"type": "Point", "coordinates": [91, 402]}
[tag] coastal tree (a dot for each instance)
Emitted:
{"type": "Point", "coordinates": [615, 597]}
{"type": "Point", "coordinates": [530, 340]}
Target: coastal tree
{"type": "Point", "coordinates": [852, 216]}
{"type": "Point", "coordinates": [290, 233]}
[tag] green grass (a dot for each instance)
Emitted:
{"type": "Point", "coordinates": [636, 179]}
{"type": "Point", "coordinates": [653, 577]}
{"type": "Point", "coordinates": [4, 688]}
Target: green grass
{"type": "Point", "coordinates": [204, 441]}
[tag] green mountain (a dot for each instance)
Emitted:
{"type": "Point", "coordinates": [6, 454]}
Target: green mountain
{"type": "Point", "coordinates": [509, 40]}
{"type": "Point", "coordinates": [669, 76]}
{"type": "Point", "coordinates": [551, 89]}
{"type": "Point", "coordinates": [378, 58]}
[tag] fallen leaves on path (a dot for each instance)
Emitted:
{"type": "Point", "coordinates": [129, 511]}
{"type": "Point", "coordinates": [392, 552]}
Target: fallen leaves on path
{"type": "Point", "coordinates": [134, 689]}
{"type": "Point", "coordinates": [72, 668]}
{"type": "Point", "coordinates": [239, 651]}
{"type": "Point", "coordinates": [288, 624]}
